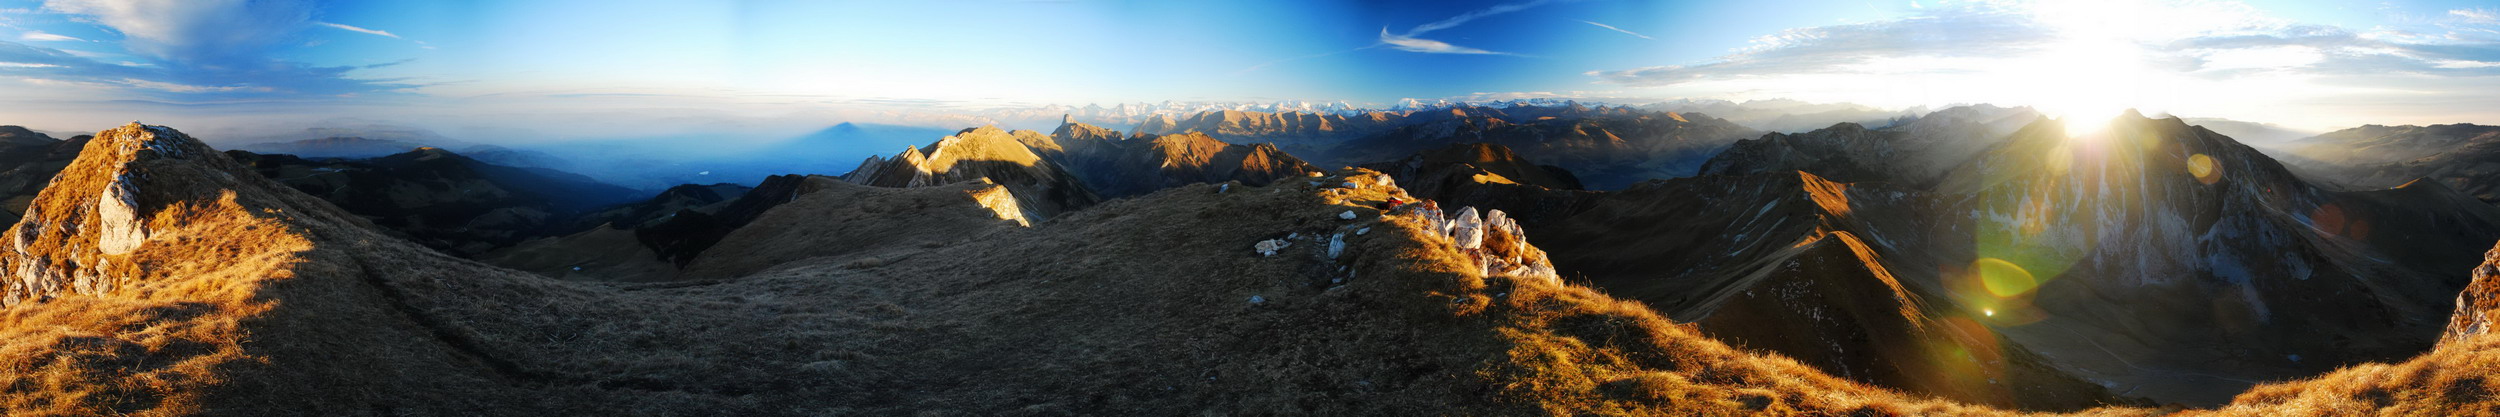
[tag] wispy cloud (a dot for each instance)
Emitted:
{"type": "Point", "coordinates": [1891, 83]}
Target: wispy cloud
{"type": "Point", "coordinates": [2481, 16]}
{"type": "Point", "coordinates": [1463, 18]}
{"type": "Point", "coordinates": [1846, 48]}
{"type": "Point", "coordinates": [1412, 40]}
{"type": "Point", "coordinates": [1414, 44]}
{"type": "Point", "coordinates": [1617, 29]}
{"type": "Point", "coordinates": [2194, 56]}
{"type": "Point", "coordinates": [46, 37]}
{"type": "Point", "coordinates": [185, 50]}
{"type": "Point", "coordinates": [358, 30]}
{"type": "Point", "coordinates": [204, 32]}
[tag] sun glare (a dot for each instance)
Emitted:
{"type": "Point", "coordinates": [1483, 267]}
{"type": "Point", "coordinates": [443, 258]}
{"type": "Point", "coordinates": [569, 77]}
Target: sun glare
{"type": "Point", "coordinates": [2093, 72]}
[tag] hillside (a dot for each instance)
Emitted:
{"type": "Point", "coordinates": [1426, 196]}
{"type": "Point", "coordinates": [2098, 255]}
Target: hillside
{"type": "Point", "coordinates": [334, 147]}
{"type": "Point", "coordinates": [1607, 151]}
{"type": "Point", "coordinates": [2170, 258]}
{"type": "Point", "coordinates": [2230, 260]}
{"type": "Point", "coordinates": [202, 254]}
{"type": "Point", "coordinates": [1114, 167]}
{"type": "Point", "coordinates": [2379, 144]}
{"type": "Point", "coordinates": [1041, 187]}
{"type": "Point", "coordinates": [28, 160]}
{"type": "Point", "coordinates": [1915, 152]}
{"type": "Point", "coordinates": [444, 200]}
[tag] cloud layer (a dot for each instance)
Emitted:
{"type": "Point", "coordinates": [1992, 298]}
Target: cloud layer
{"type": "Point", "coordinates": [2208, 56]}
{"type": "Point", "coordinates": [188, 51]}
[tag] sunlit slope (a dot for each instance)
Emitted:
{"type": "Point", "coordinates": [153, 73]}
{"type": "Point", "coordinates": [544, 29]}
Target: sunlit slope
{"type": "Point", "coordinates": [2179, 264]}
{"type": "Point", "coordinates": [1042, 187]}
{"type": "Point", "coordinates": [1115, 166]}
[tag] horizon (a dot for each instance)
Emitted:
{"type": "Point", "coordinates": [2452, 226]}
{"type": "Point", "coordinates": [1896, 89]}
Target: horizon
{"type": "Point", "coordinates": [494, 71]}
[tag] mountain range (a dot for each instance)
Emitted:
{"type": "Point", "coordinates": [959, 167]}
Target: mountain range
{"type": "Point", "coordinates": [1530, 258]}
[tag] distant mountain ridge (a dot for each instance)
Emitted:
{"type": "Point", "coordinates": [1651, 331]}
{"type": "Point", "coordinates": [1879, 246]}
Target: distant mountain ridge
{"type": "Point", "coordinates": [442, 199]}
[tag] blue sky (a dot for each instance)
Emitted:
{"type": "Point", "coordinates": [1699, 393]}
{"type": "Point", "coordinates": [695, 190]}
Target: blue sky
{"type": "Point", "coordinates": [674, 66]}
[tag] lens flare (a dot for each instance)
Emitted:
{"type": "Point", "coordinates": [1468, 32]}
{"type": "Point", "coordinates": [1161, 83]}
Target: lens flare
{"type": "Point", "coordinates": [2204, 168]}
{"type": "Point", "coordinates": [2004, 279]}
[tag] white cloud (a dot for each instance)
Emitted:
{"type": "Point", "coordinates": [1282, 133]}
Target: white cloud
{"type": "Point", "coordinates": [358, 30]}
{"type": "Point", "coordinates": [1617, 29]}
{"type": "Point", "coordinates": [1413, 44]}
{"type": "Point", "coordinates": [1462, 18]}
{"type": "Point", "coordinates": [2206, 58]}
{"type": "Point", "coordinates": [188, 50]}
{"type": "Point", "coordinates": [2463, 64]}
{"type": "Point", "coordinates": [2274, 57]}
{"type": "Point", "coordinates": [187, 88]}
{"type": "Point", "coordinates": [2477, 15]}
{"type": "Point", "coordinates": [215, 32]}
{"type": "Point", "coordinates": [41, 36]}
{"type": "Point", "coordinates": [1411, 41]}
{"type": "Point", "coordinates": [26, 65]}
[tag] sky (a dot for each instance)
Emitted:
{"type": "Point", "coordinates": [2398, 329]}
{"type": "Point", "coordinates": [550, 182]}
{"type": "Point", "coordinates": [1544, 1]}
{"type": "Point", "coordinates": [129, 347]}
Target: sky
{"type": "Point", "coordinates": [633, 67]}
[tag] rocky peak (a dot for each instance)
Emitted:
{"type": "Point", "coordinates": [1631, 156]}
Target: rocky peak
{"type": "Point", "coordinates": [1008, 158]}
{"type": "Point", "coordinates": [132, 185]}
{"type": "Point", "coordinates": [2479, 304]}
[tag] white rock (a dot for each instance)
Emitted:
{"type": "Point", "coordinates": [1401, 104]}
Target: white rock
{"type": "Point", "coordinates": [1347, 215]}
{"type": "Point", "coordinates": [1466, 229]}
{"type": "Point", "coordinates": [1336, 245]}
{"type": "Point", "coordinates": [118, 213]}
{"type": "Point", "coordinates": [1258, 300]}
{"type": "Point", "coordinates": [1270, 246]}
{"type": "Point", "coordinates": [1221, 188]}
{"type": "Point", "coordinates": [1362, 231]}
{"type": "Point", "coordinates": [1351, 184]}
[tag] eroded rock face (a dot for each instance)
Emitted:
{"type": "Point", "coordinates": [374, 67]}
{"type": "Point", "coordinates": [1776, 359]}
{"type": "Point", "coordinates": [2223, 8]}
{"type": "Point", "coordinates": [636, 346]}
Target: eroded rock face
{"type": "Point", "coordinates": [1495, 241]}
{"type": "Point", "coordinates": [96, 211]}
{"type": "Point", "coordinates": [2479, 303]}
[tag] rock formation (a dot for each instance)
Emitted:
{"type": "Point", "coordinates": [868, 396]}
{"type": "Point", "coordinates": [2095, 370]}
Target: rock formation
{"type": "Point", "coordinates": [1041, 187]}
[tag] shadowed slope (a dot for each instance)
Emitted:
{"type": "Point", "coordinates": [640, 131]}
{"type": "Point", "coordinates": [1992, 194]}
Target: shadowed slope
{"type": "Point", "coordinates": [213, 291]}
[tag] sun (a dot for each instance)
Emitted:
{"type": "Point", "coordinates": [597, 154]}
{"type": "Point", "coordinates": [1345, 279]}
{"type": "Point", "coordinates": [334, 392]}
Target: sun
{"type": "Point", "coordinates": [2093, 80]}
{"type": "Point", "coordinates": [2095, 68]}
